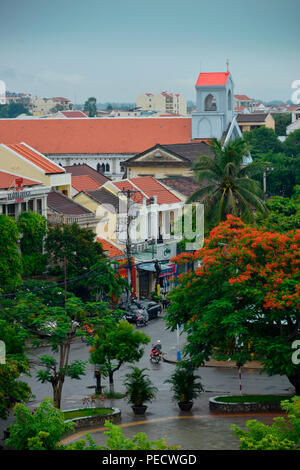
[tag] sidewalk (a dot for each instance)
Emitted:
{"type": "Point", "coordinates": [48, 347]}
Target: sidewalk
{"type": "Point", "coordinates": [171, 357]}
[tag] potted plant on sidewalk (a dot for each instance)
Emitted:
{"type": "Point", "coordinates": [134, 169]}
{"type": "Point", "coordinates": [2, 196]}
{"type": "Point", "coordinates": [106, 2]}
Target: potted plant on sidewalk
{"type": "Point", "coordinates": [139, 389]}
{"type": "Point", "coordinates": [185, 385]}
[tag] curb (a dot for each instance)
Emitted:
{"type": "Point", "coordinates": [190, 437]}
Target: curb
{"type": "Point", "coordinates": [170, 361]}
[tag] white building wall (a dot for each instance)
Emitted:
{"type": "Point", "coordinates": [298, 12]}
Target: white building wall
{"type": "Point", "coordinates": [93, 160]}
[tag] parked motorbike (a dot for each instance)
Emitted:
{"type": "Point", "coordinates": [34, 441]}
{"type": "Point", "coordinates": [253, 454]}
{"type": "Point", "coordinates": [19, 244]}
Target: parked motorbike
{"type": "Point", "coordinates": [141, 320]}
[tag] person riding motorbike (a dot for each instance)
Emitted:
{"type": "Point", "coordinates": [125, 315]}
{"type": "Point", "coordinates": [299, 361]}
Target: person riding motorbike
{"type": "Point", "coordinates": [156, 349]}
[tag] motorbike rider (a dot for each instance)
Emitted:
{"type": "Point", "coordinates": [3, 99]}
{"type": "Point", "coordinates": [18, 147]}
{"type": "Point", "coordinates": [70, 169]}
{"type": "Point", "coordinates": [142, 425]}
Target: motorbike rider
{"type": "Point", "coordinates": [157, 348]}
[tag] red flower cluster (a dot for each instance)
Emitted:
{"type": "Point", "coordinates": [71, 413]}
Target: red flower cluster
{"type": "Point", "coordinates": [249, 257]}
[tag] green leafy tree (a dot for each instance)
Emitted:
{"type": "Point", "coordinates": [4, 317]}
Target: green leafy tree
{"type": "Point", "coordinates": [91, 106]}
{"type": "Point", "coordinates": [74, 250]}
{"type": "Point", "coordinates": [291, 145]}
{"type": "Point", "coordinates": [12, 110]}
{"type": "Point", "coordinates": [116, 344]}
{"type": "Point", "coordinates": [10, 259]}
{"type": "Point", "coordinates": [282, 120]}
{"type": "Point", "coordinates": [242, 299]}
{"type": "Point", "coordinates": [55, 373]}
{"type": "Point", "coordinates": [284, 434]}
{"type": "Point", "coordinates": [58, 326]}
{"type": "Point", "coordinates": [57, 108]}
{"type": "Point", "coordinates": [261, 141]}
{"type": "Point", "coordinates": [12, 390]}
{"type": "Point", "coordinates": [282, 173]}
{"type": "Point", "coordinates": [283, 215]}
{"type": "Point", "coordinates": [76, 245]}
{"type": "Point", "coordinates": [38, 430]}
{"type": "Point", "coordinates": [228, 187]}
{"type": "Point", "coordinates": [33, 227]}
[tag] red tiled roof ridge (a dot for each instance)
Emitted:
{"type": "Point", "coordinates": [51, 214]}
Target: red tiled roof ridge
{"type": "Point", "coordinates": [116, 251]}
{"type": "Point", "coordinates": [212, 78]}
{"type": "Point", "coordinates": [79, 180]}
{"type": "Point", "coordinates": [35, 157]}
{"type": "Point", "coordinates": [124, 135]}
{"type": "Point", "coordinates": [138, 182]}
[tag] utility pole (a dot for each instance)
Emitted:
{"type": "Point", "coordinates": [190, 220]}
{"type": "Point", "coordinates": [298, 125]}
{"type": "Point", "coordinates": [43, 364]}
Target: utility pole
{"type": "Point", "coordinates": [129, 218]}
{"type": "Point", "coordinates": [65, 277]}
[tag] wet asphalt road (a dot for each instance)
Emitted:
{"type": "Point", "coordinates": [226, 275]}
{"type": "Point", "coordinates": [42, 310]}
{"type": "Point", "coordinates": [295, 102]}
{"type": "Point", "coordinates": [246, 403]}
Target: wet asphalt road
{"type": "Point", "coordinates": [199, 429]}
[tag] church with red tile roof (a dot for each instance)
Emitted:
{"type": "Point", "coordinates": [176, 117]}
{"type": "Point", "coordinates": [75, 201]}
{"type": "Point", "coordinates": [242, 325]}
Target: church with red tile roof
{"type": "Point", "coordinates": [105, 143]}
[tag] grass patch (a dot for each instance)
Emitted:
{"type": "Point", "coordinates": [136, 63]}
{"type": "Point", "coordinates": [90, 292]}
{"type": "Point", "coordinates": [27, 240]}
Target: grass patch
{"type": "Point", "coordinates": [253, 398]}
{"type": "Point", "coordinates": [86, 412]}
{"type": "Point", "coordinates": [118, 395]}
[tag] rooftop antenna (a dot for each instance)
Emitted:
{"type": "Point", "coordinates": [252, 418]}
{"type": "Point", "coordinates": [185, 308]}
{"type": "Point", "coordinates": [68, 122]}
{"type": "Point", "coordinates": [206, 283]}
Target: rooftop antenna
{"type": "Point", "coordinates": [227, 64]}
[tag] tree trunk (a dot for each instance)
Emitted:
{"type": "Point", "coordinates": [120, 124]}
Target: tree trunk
{"type": "Point", "coordinates": [98, 389]}
{"type": "Point", "coordinates": [295, 381]}
{"type": "Point", "coordinates": [111, 378]}
{"type": "Point", "coordinates": [56, 396]}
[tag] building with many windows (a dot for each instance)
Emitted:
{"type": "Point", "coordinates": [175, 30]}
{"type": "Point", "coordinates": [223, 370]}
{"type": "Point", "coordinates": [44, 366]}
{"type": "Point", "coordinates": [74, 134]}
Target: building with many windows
{"type": "Point", "coordinates": [19, 194]}
{"type": "Point", "coordinates": [22, 160]}
{"type": "Point", "coordinates": [163, 102]}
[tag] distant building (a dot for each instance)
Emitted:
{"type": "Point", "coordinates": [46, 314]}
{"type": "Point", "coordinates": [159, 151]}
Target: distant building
{"type": "Point", "coordinates": [243, 100]}
{"type": "Point", "coordinates": [163, 102]}
{"type": "Point", "coordinates": [295, 124]}
{"type": "Point", "coordinates": [20, 98]}
{"type": "Point", "coordinates": [163, 161]}
{"type": "Point", "coordinates": [64, 210]}
{"type": "Point", "coordinates": [247, 122]}
{"type": "Point", "coordinates": [85, 178]}
{"type": "Point", "coordinates": [40, 106]}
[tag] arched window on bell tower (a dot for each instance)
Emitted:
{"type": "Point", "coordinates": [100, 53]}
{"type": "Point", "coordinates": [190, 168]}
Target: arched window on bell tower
{"type": "Point", "coordinates": [210, 103]}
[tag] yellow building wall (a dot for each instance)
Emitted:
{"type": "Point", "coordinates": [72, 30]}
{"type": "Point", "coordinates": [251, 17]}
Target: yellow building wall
{"type": "Point", "coordinates": [107, 225]}
{"type": "Point", "coordinates": [11, 163]}
{"type": "Point", "coordinates": [270, 122]}
{"type": "Point", "coordinates": [158, 172]}
{"type": "Point", "coordinates": [86, 202]}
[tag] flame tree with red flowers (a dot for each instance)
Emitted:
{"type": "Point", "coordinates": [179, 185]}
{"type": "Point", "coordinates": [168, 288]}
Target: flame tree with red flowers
{"type": "Point", "coordinates": [245, 291]}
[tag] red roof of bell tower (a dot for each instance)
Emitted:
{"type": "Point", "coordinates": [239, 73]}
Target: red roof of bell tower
{"type": "Point", "coordinates": [212, 78]}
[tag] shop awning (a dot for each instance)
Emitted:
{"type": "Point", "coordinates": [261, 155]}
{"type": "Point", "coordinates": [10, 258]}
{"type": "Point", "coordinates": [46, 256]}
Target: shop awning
{"type": "Point", "coordinates": [147, 266]}
{"type": "Point", "coordinates": [165, 268]}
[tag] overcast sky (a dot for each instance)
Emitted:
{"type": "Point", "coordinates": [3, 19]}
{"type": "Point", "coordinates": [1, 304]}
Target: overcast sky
{"type": "Point", "coordinates": [115, 50]}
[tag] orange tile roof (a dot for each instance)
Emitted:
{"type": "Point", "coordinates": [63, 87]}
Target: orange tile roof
{"type": "Point", "coordinates": [84, 183]}
{"type": "Point", "coordinates": [151, 187]}
{"type": "Point", "coordinates": [212, 78]}
{"type": "Point", "coordinates": [125, 185]}
{"type": "Point", "coordinates": [8, 180]}
{"type": "Point", "coordinates": [243, 97]}
{"type": "Point", "coordinates": [113, 250]}
{"type": "Point", "coordinates": [36, 158]}
{"type": "Point", "coordinates": [96, 135]}
{"type": "Point", "coordinates": [74, 114]}
{"type": "Point", "coordinates": [148, 187]}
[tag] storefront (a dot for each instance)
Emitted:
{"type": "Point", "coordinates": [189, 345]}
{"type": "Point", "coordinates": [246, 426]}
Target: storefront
{"type": "Point", "coordinates": [148, 275]}
{"type": "Point", "coordinates": [123, 271]}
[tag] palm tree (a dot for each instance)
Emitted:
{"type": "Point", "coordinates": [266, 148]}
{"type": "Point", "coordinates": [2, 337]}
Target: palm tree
{"type": "Point", "coordinates": [228, 188]}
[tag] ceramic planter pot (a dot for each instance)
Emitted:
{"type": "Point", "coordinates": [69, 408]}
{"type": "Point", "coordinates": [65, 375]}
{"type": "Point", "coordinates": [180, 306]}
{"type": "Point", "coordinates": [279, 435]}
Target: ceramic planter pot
{"type": "Point", "coordinates": [185, 405]}
{"type": "Point", "coordinates": [139, 410]}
